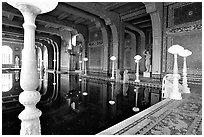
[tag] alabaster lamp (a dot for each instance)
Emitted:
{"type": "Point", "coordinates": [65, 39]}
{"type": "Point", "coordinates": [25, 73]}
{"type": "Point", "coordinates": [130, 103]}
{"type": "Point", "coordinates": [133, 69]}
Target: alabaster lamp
{"type": "Point", "coordinates": [113, 58]}
{"type": "Point", "coordinates": [85, 70]}
{"type": "Point", "coordinates": [137, 59]}
{"type": "Point", "coordinates": [30, 121]}
{"type": "Point", "coordinates": [185, 54]}
{"type": "Point", "coordinates": [175, 50]}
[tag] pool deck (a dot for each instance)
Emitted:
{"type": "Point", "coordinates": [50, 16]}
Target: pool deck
{"type": "Point", "coordinates": [168, 117]}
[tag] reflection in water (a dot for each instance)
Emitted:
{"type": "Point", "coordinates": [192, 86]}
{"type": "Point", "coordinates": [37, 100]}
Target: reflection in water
{"type": "Point", "coordinates": [86, 106]}
{"type": "Point", "coordinates": [125, 89]}
{"type": "Point", "coordinates": [146, 96]}
{"type": "Point", "coordinates": [83, 87]}
{"type": "Point", "coordinates": [135, 108]}
{"type": "Point", "coordinates": [7, 82]}
{"type": "Point", "coordinates": [17, 75]}
{"type": "Point", "coordinates": [11, 89]}
{"type": "Point", "coordinates": [112, 101]}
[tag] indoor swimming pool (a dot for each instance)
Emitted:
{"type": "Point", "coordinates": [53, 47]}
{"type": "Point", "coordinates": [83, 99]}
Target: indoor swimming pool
{"type": "Point", "coordinates": [74, 105]}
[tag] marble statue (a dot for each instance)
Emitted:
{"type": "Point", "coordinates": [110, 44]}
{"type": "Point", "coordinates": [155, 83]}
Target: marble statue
{"type": "Point", "coordinates": [17, 62]}
{"type": "Point", "coordinates": [118, 76]}
{"type": "Point", "coordinates": [147, 60]}
{"type": "Point", "coordinates": [125, 76]}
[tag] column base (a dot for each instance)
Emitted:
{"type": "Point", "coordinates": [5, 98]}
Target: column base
{"type": "Point", "coordinates": [186, 90]}
{"type": "Point", "coordinates": [112, 77]}
{"type": "Point", "coordinates": [137, 80]}
{"type": "Point", "coordinates": [146, 74]}
{"type": "Point", "coordinates": [175, 95]}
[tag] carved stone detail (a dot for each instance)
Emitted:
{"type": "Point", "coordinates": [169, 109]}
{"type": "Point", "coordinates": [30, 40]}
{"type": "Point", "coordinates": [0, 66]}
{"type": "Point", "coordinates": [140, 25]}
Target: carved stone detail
{"type": "Point", "coordinates": [184, 29]}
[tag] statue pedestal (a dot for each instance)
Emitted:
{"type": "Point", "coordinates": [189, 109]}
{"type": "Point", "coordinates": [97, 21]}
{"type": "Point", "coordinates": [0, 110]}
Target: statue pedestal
{"type": "Point", "coordinates": [146, 74]}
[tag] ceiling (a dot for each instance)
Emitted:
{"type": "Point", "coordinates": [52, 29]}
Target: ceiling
{"type": "Point", "coordinates": [74, 15]}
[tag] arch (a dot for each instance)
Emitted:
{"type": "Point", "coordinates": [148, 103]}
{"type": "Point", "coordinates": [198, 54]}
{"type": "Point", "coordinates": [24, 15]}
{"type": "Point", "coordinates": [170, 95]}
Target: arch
{"type": "Point", "coordinates": [105, 49]}
{"type": "Point", "coordinates": [155, 9]}
{"type": "Point", "coordinates": [39, 57]}
{"type": "Point", "coordinates": [115, 43]}
{"type": "Point", "coordinates": [133, 45]}
{"type": "Point", "coordinates": [80, 38]}
{"type": "Point", "coordinates": [142, 42]}
{"type": "Point", "coordinates": [45, 57]}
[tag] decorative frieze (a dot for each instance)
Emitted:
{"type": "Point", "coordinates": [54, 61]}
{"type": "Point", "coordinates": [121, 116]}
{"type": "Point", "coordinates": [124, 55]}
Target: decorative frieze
{"type": "Point", "coordinates": [95, 43]}
{"type": "Point", "coordinates": [184, 29]}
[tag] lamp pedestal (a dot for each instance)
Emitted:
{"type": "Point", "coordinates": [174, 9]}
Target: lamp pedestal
{"type": "Point", "coordinates": [30, 122]}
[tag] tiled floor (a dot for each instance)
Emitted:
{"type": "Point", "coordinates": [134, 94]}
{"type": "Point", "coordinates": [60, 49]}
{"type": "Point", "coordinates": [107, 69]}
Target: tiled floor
{"type": "Point", "coordinates": [168, 117]}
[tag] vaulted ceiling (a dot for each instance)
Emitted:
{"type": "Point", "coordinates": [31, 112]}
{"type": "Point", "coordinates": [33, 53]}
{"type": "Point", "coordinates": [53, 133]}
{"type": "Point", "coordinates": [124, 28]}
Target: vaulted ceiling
{"type": "Point", "coordinates": [73, 15]}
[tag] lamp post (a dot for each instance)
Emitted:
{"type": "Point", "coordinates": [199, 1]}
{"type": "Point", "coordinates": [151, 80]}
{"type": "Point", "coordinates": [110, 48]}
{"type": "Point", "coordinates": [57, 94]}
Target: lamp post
{"type": "Point", "coordinates": [113, 58]}
{"type": "Point", "coordinates": [135, 108]}
{"type": "Point", "coordinates": [30, 122]}
{"type": "Point", "coordinates": [85, 60]}
{"type": "Point", "coordinates": [137, 59]}
{"type": "Point", "coordinates": [185, 54]}
{"type": "Point", "coordinates": [175, 50]}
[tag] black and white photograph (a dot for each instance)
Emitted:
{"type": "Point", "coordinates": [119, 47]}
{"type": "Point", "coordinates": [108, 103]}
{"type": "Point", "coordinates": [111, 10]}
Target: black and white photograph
{"type": "Point", "coordinates": [101, 67]}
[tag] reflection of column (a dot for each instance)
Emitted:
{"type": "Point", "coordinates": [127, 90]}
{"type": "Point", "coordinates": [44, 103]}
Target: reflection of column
{"type": "Point", "coordinates": [185, 54]}
{"type": "Point", "coordinates": [84, 92]}
{"type": "Point", "coordinates": [80, 65]}
{"type": "Point", "coordinates": [175, 94]}
{"type": "Point", "coordinates": [135, 108]}
{"type": "Point", "coordinates": [112, 92]}
{"type": "Point", "coordinates": [29, 75]}
{"type": "Point", "coordinates": [137, 59]}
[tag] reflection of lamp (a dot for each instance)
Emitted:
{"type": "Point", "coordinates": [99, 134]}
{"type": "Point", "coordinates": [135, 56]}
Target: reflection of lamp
{"type": "Point", "coordinates": [175, 50]}
{"type": "Point", "coordinates": [185, 54]}
{"type": "Point", "coordinates": [80, 63]}
{"type": "Point", "coordinates": [17, 74]}
{"type": "Point", "coordinates": [113, 58]}
{"type": "Point", "coordinates": [135, 108]}
{"type": "Point", "coordinates": [84, 88]}
{"type": "Point", "coordinates": [137, 59]}
{"type": "Point", "coordinates": [85, 60]}
{"type": "Point", "coordinates": [112, 102]}
{"type": "Point", "coordinates": [30, 124]}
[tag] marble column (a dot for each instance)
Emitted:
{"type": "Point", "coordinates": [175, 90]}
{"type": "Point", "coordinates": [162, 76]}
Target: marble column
{"type": "Point", "coordinates": [30, 122]}
{"type": "Point", "coordinates": [185, 54]}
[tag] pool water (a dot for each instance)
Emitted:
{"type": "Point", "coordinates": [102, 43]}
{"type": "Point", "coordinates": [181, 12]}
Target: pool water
{"type": "Point", "coordinates": [74, 105]}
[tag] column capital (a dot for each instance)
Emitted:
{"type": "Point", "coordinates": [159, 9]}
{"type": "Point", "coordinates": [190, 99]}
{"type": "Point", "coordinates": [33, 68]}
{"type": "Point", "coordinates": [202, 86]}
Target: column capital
{"type": "Point", "coordinates": [150, 7]}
